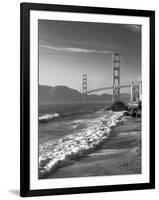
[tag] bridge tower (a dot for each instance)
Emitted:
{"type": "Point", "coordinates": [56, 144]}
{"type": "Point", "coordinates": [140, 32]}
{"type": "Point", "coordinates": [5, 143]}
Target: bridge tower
{"type": "Point", "coordinates": [136, 91]}
{"type": "Point", "coordinates": [84, 95]}
{"type": "Point", "coordinates": [116, 77]}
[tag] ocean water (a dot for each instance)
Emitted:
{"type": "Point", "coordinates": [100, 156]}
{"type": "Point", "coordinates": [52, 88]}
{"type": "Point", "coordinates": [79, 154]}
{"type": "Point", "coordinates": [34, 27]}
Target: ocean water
{"type": "Point", "coordinates": [68, 132]}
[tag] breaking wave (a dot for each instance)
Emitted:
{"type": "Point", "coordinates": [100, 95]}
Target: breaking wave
{"type": "Point", "coordinates": [58, 152]}
{"type": "Point", "coordinates": [47, 117]}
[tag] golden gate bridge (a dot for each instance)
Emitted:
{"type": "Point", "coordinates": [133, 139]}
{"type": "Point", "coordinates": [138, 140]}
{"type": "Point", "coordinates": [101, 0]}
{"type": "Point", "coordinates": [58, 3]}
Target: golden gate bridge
{"type": "Point", "coordinates": [135, 86]}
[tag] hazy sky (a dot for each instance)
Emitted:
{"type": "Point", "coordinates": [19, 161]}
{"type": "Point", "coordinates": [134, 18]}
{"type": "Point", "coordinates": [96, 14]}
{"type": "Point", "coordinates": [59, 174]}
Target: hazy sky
{"type": "Point", "coordinates": [67, 50]}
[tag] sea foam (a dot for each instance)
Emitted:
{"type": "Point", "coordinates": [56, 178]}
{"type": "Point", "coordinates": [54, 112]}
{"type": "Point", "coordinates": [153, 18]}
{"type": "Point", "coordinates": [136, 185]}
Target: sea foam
{"type": "Point", "coordinates": [56, 153]}
{"type": "Point", "coordinates": [47, 117]}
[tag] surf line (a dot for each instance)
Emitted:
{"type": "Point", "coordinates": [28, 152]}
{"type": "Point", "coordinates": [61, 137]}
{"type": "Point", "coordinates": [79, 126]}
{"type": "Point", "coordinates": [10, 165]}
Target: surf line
{"type": "Point", "coordinates": [57, 153]}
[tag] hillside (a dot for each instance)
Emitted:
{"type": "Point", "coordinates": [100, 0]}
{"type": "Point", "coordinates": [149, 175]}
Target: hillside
{"type": "Point", "coordinates": [64, 94]}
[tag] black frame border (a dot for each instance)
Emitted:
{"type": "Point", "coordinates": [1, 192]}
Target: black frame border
{"type": "Point", "coordinates": [25, 9]}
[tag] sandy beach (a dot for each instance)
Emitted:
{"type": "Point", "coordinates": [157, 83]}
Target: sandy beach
{"type": "Point", "coordinates": [119, 154]}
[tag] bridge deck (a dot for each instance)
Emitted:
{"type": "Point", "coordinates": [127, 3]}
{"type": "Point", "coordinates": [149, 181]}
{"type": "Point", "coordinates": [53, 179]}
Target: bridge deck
{"type": "Point", "coordinates": [111, 87]}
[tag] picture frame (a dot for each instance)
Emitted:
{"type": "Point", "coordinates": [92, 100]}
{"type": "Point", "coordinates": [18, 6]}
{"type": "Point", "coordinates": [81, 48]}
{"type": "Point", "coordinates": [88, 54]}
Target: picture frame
{"type": "Point", "coordinates": [29, 62]}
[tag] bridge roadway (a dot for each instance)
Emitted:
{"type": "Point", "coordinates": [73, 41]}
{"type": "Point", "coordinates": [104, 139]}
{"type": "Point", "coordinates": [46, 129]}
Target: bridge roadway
{"type": "Point", "coordinates": [111, 87]}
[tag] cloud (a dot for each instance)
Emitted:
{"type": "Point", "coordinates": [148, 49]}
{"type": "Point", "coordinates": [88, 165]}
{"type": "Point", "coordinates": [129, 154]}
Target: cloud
{"type": "Point", "coordinates": [74, 50]}
{"type": "Point", "coordinates": [134, 28]}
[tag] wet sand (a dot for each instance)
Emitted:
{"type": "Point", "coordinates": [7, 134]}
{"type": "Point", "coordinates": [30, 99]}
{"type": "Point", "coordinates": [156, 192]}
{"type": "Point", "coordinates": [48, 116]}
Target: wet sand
{"type": "Point", "coordinates": [119, 154]}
